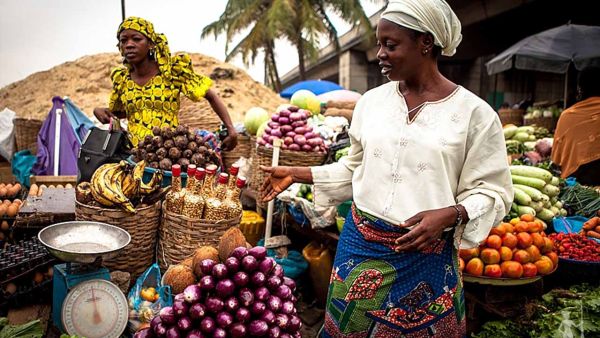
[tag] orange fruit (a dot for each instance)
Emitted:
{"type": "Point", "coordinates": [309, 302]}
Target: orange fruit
{"type": "Point", "coordinates": [522, 256]}
{"type": "Point", "coordinates": [506, 253]}
{"type": "Point", "coordinates": [474, 267]}
{"type": "Point", "coordinates": [534, 252]}
{"type": "Point", "coordinates": [494, 241]}
{"type": "Point", "coordinates": [544, 265]}
{"type": "Point", "coordinates": [529, 270]}
{"type": "Point", "coordinates": [511, 269]}
{"type": "Point", "coordinates": [490, 256]}
{"type": "Point", "coordinates": [524, 240]}
{"type": "Point", "coordinates": [492, 270]}
{"type": "Point", "coordinates": [527, 218]}
{"type": "Point", "coordinates": [509, 240]}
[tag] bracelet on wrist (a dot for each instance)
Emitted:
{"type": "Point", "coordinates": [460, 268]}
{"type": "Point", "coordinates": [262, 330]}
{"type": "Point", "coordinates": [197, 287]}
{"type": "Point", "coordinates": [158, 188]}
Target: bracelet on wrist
{"type": "Point", "coordinates": [459, 216]}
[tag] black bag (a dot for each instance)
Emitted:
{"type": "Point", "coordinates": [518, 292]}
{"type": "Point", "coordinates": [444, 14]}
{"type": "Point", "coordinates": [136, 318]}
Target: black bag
{"type": "Point", "coordinates": [100, 147]}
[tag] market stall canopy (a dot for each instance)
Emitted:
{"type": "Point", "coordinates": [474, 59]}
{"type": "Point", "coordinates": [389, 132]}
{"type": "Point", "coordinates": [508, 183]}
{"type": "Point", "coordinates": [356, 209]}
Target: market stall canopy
{"type": "Point", "coordinates": [340, 95]}
{"type": "Point", "coordinates": [316, 86]}
{"type": "Point", "coordinates": [552, 51]}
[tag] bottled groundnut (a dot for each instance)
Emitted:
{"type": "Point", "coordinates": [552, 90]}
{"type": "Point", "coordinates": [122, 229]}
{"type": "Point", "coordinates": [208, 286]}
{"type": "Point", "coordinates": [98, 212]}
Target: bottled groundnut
{"type": "Point", "coordinates": [174, 198]}
{"type": "Point", "coordinates": [209, 182]}
{"type": "Point", "coordinates": [215, 209]}
{"type": "Point", "coordinates": [193, 205]}
{"type": "Point", "coordinates": [233, 202]}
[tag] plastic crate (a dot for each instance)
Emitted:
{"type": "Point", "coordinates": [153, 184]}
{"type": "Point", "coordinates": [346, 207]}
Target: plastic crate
{"type": "Point", "coordinates": [22, 258]}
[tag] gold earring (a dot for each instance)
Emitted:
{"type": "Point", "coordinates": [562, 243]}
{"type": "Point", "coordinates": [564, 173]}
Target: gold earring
{"type": "Point", "coordinates": [425, 51]}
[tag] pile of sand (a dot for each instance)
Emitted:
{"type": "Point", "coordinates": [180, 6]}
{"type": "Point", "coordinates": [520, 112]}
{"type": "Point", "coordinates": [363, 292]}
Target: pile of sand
{"type": "Point", "coordinates": [86, 81]}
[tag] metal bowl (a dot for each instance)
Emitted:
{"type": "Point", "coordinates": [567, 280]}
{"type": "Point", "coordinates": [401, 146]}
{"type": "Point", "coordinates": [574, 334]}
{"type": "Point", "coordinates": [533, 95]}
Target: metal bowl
{"type": "Point", "coordinates": [83, 241]}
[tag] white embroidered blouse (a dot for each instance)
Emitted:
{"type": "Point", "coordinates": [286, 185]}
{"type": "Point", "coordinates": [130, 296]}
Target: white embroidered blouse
{"type": "Point", "coordinates": [452, 152]}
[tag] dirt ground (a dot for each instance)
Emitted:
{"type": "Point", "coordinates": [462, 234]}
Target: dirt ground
{"type": "Point", "coordinates": [86, 81]}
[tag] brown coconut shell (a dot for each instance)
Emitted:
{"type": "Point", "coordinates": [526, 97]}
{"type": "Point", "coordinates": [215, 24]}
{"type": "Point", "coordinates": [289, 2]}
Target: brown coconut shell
{"type": "Point", "coordinates": [179, 277]}
{"type": "Point", "coordinates": [202, 253]}
{"type": "Point", "coordinates": [231, 239]}
{"type": "Point", "coordinates": [189, 262]}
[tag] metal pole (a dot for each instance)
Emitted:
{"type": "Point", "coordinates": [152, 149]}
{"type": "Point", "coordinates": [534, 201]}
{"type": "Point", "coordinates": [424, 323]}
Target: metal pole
{"type": "Point", "coordinates": [123, 10]}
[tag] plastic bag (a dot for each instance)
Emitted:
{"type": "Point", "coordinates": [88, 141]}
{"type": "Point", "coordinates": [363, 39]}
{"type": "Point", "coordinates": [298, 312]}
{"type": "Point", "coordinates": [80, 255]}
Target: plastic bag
{"type": "Point", "coordinates": [7, 134]}
{"type": "Point", "coordinates": [293, 265]}
{"type": "Point", "coordinates": [147, 297]}
{"type": "Point", "coordinates": [317, 216]}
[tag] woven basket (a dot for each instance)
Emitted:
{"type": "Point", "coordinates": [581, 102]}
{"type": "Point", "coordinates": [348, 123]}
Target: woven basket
{"type": "Point", "coordinates": [26, 133]}
{"type": "Point", "coordinates": [546, 122]}
{"type": "Point", "coordinates": [243, 149]}
{"type": "Point", "coordinates": [286, 158]}
{"type": "Point", "coordinates": [143, 228]}
{"type": "Point", "coordinates": [199, 115]}
{"type": "Point", "coordinates": [179, 236]}
{"type": "Point", "coordinates": [511, 116]}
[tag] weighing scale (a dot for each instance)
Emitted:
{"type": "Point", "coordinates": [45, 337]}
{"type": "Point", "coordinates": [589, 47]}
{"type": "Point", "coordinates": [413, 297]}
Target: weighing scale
{"type": "Point", "coordinates": [85, 303]}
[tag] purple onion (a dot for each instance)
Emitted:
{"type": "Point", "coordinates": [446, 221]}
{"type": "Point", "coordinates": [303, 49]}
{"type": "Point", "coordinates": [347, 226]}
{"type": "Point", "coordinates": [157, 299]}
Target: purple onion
{"type": "Point", "coordinates": [284, 113]}
{"type": "Point", "coordinates": [275, 117]}
{"type": "Point", "coordinates": [180, 308]}
{"type": "Point", "coordinates": [274, 332]}
{"type": "Point", "coordinates": [258, 252]}
{"type": "Point", "coordinates": [241, 278]}
{"type": "Point", "coordinates": [214, 304]}
{"type": "Point", "coordinates": [224, 319]}
{"type": "Point", "coordinates": [266, 265]}
{"type": "Point", "coordinates": [307, 147]}
{"type": "Point", "coordinates": [273, 125]}
{"type": "Point", "coordinates": [232, 304]}
{"type": "Point", "coordinates": [309, 134]}
{"type": "Point", "coordinates": [276, 132]}
{"type": "Point", "coordinates": [274, 303]}
{"type": "Point", "coordinates": [238, 330]}
{"type": "Point", "coordinates": [258, 308]}
{"type": "Point", "coordinates": [232, 264]}
{"type": "Point", "coordinates": [290, 134]}
{"type": "Point", "coordinates": [268, 316]}
{"type": "Point", "coordinates": [268, 130]}
{"type": "Point", "coordinates": [288, 140]}
{"type": "Point", "coordinates": [277, 271]}
{"type": "Point", "coordinates": [258, 278]}
{"type": "Point", "coordinates": [290, 283]}
{"type": "Point", "coordinates": [258, 328]}
{"type": "Point", "coordinates": [208, 325]}
{"type": "Point", "coordinates": [287, 307]}
{"type": "Point", "coordinates": [293, 108]}
{"type": "Point", "coordinates": [178, 296]}
{"type": "Point", "coordinates": [196, 333]}
{"type": "Point", "coordinates": [144, 333]}
{"type": "Point", "coordinates": [206, 266]}
{"type": "Point", "coordinates": [239, 252]}
{"type": "Point", "coordinates": [297, 124]}
{"type": "Point", "coordinates": [155, 321]}
{"type": "Point", "coordinates": [295, 117]}
{"type": "Point", "coordinates": [286, 129]}
{"type": "Point", "coordinates": [167, 315]}
{"type": "Point", "coordinates": [246, 297]}
{"type": "Point", "coordinates": [294, 147]}
{"type": "Point", "coordinates": [197, 311]}
{"type": "Point", "coordinates": [192, 293]}
{"type": "Point", "coordinates": [242, 315]}
{"type": "Point", "coordinates": [262, 293]}
{"type": "Point", "coordinates": [261, 142]}
{"type": "Point", "coordinates": [219, 271]}
{"type": "Point", "coordinates": [173, 332]}
{"type": "Point", "coordinates": [184, 324]}
{"type": "Point", "coordinates": [283, 120]}
{"type": "Point", "coordinates": [207, 283]}
{"type": "Point", "coordinates": [249, 263]}
{"type": "Point", "coordinates": [283, 292]}
{"type": "Point", "coordinates": [219, 333]}
{"type": "Point", "coordinates": [225, 288]}
{"type": "Point", "coordinates": [273, 282]}
{"type": "Point", "coordinates": [160, 329]}
{"type": "Point", "coordinates": [293, 299]}
{"type": "Point", "coordinates": [282, 320]}
{"type": "Point", "coordinates": [294, 324]}
{"type": "Point", "coordinates": [285, 335]}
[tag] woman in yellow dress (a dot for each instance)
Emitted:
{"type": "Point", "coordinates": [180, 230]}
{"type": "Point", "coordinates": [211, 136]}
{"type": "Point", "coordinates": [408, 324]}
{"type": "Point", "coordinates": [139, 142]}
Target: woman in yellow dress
{"type": "Point", "coordinates": [147, 89]}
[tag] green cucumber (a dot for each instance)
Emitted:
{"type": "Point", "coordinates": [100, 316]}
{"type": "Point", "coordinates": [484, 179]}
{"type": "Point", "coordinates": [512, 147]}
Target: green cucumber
{"type": "Point", "coordinates": [535, 194]}
{"type": "Point", "coordinates": [526, 210]}
{"type": "Point", "coordinates": [521, 197]}
{"type": "Point", "coordinates": [535, 172]}
{"type": "Point", "coordinates": [529, 181]}
{"type": "Point", "coordinates": [551, 190]}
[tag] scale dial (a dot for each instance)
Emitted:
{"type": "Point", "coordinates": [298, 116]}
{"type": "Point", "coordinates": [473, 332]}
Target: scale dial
{"type": "Point", "coordinates": [95, 309]}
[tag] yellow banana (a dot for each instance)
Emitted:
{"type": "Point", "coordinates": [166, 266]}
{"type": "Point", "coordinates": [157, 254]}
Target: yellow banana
{"type": "Point", "coordinates": [155, 183]}
{"type": "Point", "coordinates": [98, 184]}
{"type": "Point", "coordinates": [115, 186]}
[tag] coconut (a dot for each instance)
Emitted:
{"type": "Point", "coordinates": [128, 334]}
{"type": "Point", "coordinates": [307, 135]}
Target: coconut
{"type": "Point", "coordinates": [230, 240]}
{"type": "Point", "coordinates": [179, 277]}
{"type": "Point", "coordinates": [189, 262]}
{"type": "Point", "coordinates": [202, 253]}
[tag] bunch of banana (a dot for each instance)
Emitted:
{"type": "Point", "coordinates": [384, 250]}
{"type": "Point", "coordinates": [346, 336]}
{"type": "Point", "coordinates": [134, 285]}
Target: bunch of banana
{"type": "Point", "coordinates": [116, 184]}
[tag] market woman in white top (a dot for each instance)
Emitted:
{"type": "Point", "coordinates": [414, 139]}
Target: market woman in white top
{"type": "Point", "coordinates": [427, 172]}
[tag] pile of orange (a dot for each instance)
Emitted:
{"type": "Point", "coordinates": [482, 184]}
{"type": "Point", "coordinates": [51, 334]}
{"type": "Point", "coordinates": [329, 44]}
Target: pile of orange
{"type": "Point", "coordinates": [519, 249]}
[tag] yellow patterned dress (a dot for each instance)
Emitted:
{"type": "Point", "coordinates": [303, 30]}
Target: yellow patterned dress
{"type": "Point", "coordinates": [156, 103]}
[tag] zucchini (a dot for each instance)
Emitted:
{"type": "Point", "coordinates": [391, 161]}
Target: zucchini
{"type": "Point", "coordinates": [563, 212]}
{"type": "Point", "coordinates": [525, 210]}
{"type": "Point", "coordinates": [529, 181]}
{"type": "Point", "coordinates": [546, 204]}
{"type": "Point", "coordinates": [509, 131]}
{"type": "Point", "coordinates": [553, 200]}
{"type": "Point", "coordinates": [526, 129]}
{"type": "Point", "coordinates": [521, 137]}
{"type": "Point", "coordinates": [558, 204]}
{"type": "Point", "coordinates": [537, 206]}
{"type": "Point", "coordinates": [535, 194]}
{"type": "Point", "coordinates": [551, 190]}
{"type": "Point", "coordinates": [545, 198]}
{"type": "Point", "coordinates": [535, 172]}
{"type": "Point", "coordinates": [555, 181]}
{"type": "Point", "coordinates": [555, 210]}
{"type": "Point", "coordinates": [545, 215]}
{"type": "Point", "coordinates": [521, 197]}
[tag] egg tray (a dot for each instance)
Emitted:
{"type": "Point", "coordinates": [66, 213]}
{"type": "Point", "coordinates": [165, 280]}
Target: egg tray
{"type": "Point", "coordinates": [27, 295]}
{"type": "Point", "coordinates": [23, 258]}
{"type": "Point", "coordinates": [22, 195]}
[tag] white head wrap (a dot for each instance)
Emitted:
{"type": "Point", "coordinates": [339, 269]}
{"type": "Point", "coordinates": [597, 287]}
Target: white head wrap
{"type": "Point", "coordinates": [427, 16]}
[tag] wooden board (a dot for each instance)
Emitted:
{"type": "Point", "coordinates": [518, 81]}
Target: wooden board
{"type": "Point", "coordinates": [53, 180]}
{"type": "Point", "coordinates": [54, 206]}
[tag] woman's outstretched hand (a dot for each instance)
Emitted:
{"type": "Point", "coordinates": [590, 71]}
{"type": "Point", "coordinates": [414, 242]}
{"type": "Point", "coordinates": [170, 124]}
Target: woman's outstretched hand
{"type": "Point", "coordinates": [103, 115]}
{"type": "Point", "coordinates": [278, 179]}
{"type": "Point", "coordinates": [230, 142]}
{"type": "Point", "coordinates": [429, 226]}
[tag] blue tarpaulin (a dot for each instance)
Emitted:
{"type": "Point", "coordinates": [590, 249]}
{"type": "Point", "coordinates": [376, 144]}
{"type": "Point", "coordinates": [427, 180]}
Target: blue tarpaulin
{"type": "Point", "coordinates": [316, 86]}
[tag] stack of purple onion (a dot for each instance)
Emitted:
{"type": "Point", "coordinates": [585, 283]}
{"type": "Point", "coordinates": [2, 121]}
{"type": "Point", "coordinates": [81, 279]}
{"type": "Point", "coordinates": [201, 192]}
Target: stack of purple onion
{"type": "Point", "coordinates": [245, 296]}
{"type": "Point", "coordinates": [291, 126]}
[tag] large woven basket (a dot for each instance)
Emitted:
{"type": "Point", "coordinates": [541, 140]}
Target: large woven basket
{"type": "Point", "coordinates": [546, 122]}
{"type": "Point", "coordinates": [199, 115]}
{"type": "Point", "coordinates": [511, 116]}
{"type": "Point", "coordinates": [179, 236]}
{"type": "Point", "coordinates": [290, 158]}
{"type": "Point", "coordinates": [143, 228]}
{"type": "Point", "coordinates": [243, 149]}
{"type": "Point", "coordinates": [26, 133]}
